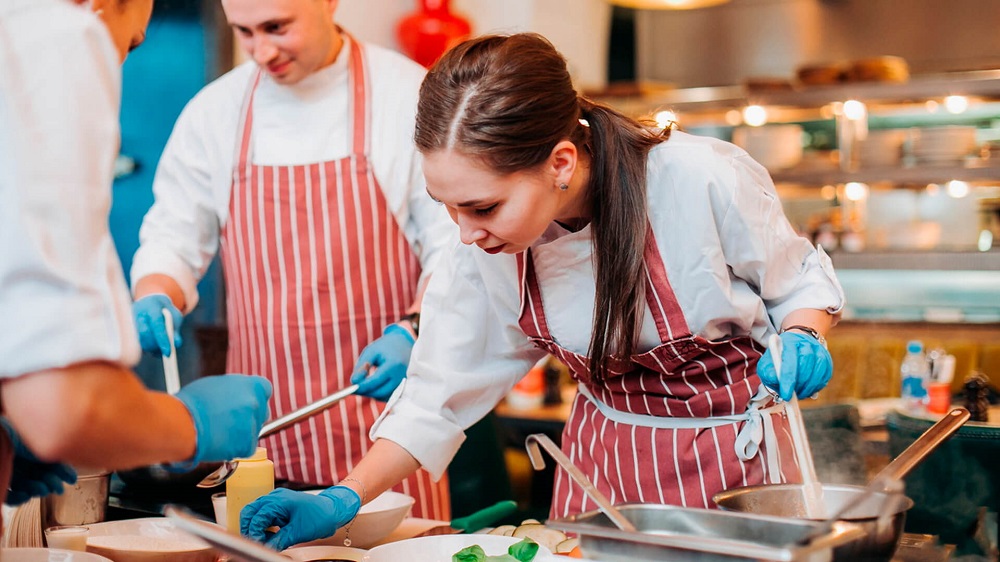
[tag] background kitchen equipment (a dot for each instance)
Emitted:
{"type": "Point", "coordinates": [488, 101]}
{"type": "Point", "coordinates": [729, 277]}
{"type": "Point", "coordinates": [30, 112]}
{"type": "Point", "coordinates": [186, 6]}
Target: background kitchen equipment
{"type": "Point", "coordinates": [775, 147]}
{"type": "Point", "coordinates": [880, 540]}
{"type": "Point", "coordinates": [682, 534]}
{"type": "Point", "coordinates": [657, 532]}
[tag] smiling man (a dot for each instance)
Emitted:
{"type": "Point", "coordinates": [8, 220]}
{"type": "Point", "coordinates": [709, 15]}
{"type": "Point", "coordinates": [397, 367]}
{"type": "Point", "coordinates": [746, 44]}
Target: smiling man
{"type": "Point", "coordinates": [299, 166]}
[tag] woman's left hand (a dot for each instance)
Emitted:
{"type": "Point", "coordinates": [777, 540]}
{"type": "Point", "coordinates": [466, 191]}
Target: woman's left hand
{"type": "Point", "coordinates": [806, 367]}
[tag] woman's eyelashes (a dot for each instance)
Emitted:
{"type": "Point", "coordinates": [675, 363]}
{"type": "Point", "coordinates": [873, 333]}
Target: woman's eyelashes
{"type": "Point", "coordinates": [486, 210]}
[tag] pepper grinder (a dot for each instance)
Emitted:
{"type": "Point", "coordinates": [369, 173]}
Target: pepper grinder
{"type": "Point", "coordinates": [976, 390]}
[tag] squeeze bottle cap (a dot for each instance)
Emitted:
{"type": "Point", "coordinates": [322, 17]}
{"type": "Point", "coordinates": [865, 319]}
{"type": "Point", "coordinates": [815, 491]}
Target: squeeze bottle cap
{"type": "Point", "coordinates": [914, 346]}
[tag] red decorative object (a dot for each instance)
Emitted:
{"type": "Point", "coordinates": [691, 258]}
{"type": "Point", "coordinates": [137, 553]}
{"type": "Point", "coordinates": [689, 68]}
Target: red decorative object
{"type": "Point", "coordinates": [426, 34]}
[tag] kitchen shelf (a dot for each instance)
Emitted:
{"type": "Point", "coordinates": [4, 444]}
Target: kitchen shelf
{"type": "Point", "coordinates": [914, 260]}
{"type": "Point", "coordinates": [983, 84]}
{"type": "Point", "coordinates": [918, 175]}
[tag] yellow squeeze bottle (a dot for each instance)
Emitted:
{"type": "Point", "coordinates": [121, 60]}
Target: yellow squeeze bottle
{"type": "Point", "coordinates": [253, 478]}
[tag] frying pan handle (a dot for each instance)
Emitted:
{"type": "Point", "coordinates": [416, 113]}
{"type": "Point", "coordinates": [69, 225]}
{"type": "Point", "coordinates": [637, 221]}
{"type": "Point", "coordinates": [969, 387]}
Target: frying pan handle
{"type": "Point", "coordinates": [924, 445]}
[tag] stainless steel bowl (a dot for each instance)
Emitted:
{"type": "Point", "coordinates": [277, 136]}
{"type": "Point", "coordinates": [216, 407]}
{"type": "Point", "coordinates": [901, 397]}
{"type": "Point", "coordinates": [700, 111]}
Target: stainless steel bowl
{"type": "Point", "coordinates": [80, 504]}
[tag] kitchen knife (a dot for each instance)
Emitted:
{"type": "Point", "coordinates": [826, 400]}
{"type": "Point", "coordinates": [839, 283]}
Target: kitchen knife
{"type": "Point", "coordinates": [474, 522]}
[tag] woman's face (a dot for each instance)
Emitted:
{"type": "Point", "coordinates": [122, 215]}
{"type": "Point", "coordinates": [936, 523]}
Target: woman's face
{"type": "Point", "coordinates": [500, 213]}
{"type": "Point", "coordinates": [126, 21]}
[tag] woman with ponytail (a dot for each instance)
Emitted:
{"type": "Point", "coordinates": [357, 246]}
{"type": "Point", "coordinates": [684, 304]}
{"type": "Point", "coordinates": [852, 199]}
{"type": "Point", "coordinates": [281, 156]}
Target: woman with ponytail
{"type": "Point", "coordinates": [653, 263]}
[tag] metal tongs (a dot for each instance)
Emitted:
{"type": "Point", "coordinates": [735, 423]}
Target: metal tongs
{"type": "Point", "coordinates": [223, 473]}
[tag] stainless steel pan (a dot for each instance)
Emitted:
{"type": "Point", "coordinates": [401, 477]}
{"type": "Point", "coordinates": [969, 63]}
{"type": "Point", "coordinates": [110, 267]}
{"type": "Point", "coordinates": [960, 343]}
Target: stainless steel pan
{"type": "Point", "coordinates": [880, 514]}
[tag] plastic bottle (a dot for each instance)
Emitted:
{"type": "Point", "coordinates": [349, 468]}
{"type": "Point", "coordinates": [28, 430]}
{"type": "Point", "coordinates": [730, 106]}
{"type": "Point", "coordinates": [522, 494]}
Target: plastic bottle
{"type": "Point", "coordinates": [914, 373]}
{"type": "Point", "coordinates": [253, 478]}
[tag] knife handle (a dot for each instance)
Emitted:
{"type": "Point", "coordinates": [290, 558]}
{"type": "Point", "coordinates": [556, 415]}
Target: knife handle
{"type": "Point", "coordinates": [484, 517]}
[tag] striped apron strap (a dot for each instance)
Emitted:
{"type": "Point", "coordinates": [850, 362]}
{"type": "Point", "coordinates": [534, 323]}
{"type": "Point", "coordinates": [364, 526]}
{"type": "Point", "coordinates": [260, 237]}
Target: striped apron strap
{"type": "Point", "coordinates": [757, 425]}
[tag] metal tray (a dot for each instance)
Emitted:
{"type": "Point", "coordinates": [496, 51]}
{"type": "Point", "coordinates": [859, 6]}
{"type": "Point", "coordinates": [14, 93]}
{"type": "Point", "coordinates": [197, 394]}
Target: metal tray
{"type": "Point", "coordinates": [673, 533]}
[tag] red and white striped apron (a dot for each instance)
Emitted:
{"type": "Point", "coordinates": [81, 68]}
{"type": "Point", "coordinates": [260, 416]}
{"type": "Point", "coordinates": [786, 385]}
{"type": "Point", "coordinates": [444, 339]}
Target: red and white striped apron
{"type": "Point", "coordinates": [673, 425]}
{"type": "Point", "coordinates": [315, 266]}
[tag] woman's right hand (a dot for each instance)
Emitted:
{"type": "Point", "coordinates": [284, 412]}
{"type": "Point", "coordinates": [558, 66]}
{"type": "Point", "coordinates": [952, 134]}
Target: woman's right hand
{"type": "Point", "coordinates": [301, 516]}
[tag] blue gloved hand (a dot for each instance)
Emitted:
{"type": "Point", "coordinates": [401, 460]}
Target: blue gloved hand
{"type": "Point", "coordinates": [389, 356]}
{"type": "Point", "coordinates": [228, 412]}
{"type": "Point", "coordinates": [30, 477]}
{"type": "Point", "coordinates": [152, 328]}
{"type": "Point", "coordinates": [806, 367]}
{"type": "Point", "coordinates": [301, 516]}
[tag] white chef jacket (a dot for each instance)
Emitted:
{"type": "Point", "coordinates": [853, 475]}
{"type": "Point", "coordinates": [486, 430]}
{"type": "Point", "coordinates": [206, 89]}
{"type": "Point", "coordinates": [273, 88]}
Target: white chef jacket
{"type": "Point", "coordinates": [63, 297]}
{"type": "Point", "coordinates": [735, 264]}
{"type": "Point", "coordinates": [303, 123]}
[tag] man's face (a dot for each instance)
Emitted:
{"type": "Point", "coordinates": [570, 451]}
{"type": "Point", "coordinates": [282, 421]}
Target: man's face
{"type": "Point", "coordinates": [288, 39]}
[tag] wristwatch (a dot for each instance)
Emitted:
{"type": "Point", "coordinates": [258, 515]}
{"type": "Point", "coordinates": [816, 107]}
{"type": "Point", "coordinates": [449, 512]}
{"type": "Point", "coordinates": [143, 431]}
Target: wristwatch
{"type": "Point", "coordinates": [811, 331]}
{"type": "Point", "coordinates": [414, 319]}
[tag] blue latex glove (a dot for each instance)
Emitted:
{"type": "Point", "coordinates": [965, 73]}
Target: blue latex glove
{"type": "Point", "coordinates": [30, 477]}
{"type": "Point", "coordinates": [389, 356]}
{"type": "Point", "coordinates": [806, 367]}
{"type": "Point", "coordinates": [301, 516]}
{"type": "Point", "coordinates": [228, 412]}
{"type": "Point", "coordinates": [152, 328]}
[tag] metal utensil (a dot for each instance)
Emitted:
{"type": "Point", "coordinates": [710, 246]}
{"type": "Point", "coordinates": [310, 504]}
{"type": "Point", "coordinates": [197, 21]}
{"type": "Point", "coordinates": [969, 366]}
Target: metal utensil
{"type": "Point", "coordinates": [870, 512]}
{"type": "Point", "coordinates": [475, 521]}
{"type": "Point", "coordinates": [812, 489]}
{"type": "Point", "coordinates": [532, 444]}
{"type": "Point", "coordinates": [170, 373]}
{"type": "Point", "coordinates": [223, 473]}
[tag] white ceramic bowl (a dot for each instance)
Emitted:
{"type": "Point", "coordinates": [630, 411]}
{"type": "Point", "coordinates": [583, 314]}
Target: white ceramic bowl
{"type": "Point", "coordinates": [375, 521]}
{"type": "Point", "coordinates": [441, 548]}
{"type": "Point", "coordinates": [49, 555]}
{"type": "Point", "coordinates": [151, 539]}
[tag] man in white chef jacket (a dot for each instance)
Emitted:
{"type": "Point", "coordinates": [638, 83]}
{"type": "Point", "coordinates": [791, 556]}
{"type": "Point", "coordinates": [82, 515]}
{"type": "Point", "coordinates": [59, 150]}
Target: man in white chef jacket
{"type": "Point", "coordinates": [67, 394]}
{"type": "Point", "coordinates": [299, 168]}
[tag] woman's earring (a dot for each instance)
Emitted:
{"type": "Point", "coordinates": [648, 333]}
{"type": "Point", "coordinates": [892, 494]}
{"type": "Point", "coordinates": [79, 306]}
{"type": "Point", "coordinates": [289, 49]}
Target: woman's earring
{"type": "Point", "coordinates": [563, 186]}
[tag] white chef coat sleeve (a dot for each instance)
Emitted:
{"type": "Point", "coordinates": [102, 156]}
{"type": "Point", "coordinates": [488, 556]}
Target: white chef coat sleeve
{"type": "Point", "coordinates": [62, 291]}
{"type": "Point", "coordinates": [762, 248]}
{"type": "Point", "coordinates": [180, 233]}
{"type": "Point", "coordinates": [470, 353]}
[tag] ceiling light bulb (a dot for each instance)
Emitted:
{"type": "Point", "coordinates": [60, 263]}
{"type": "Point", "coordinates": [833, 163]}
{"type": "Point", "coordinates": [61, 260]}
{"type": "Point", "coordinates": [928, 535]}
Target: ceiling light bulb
{"type": "Point", "coordinates": [956, 104]}
{"type": "Point", "coordinates": [754, 115]}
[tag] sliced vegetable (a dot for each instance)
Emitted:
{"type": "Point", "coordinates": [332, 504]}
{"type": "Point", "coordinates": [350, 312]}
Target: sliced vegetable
{"type": "Point", "coordinates": [523, 551]}
{"type": "Point", "coordinates": [549, 538]}
{"type": "Point", "coordinates": [567, 545]}
{"type": "Point", "coordinates": [503, 530]}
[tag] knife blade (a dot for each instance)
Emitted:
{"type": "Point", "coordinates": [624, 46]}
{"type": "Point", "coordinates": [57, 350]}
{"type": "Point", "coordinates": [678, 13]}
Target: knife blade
{"type": "Point", "coordinates": [475, 521]}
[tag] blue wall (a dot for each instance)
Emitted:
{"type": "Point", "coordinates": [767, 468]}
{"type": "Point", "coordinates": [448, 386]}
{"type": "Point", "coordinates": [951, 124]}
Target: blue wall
{"type": "Point", "coordinates": [159, 78]}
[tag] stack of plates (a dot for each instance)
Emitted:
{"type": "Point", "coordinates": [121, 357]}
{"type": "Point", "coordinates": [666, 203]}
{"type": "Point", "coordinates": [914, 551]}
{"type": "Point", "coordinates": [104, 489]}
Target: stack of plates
{"type": "Point", "coordinates": [25, 526]}
{"type": "Point", "coordinates": [944, 145]}
{"type": "Point", "coordinates": [882, 148]}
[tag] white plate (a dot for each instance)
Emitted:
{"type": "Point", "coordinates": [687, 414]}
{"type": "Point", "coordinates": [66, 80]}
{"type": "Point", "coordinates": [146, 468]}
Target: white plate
{"type": "Point", "coordinates": [441, 548]}
{"type": "Point", "coordinates": [49, 555]}
{"type": "Point", "coordinates": [310, 553]}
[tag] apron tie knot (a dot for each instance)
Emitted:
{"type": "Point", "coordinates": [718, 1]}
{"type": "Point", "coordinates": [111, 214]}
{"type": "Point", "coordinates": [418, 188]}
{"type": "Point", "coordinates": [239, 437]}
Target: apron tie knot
{"type": "Point", "coordinates": [759, 428]}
